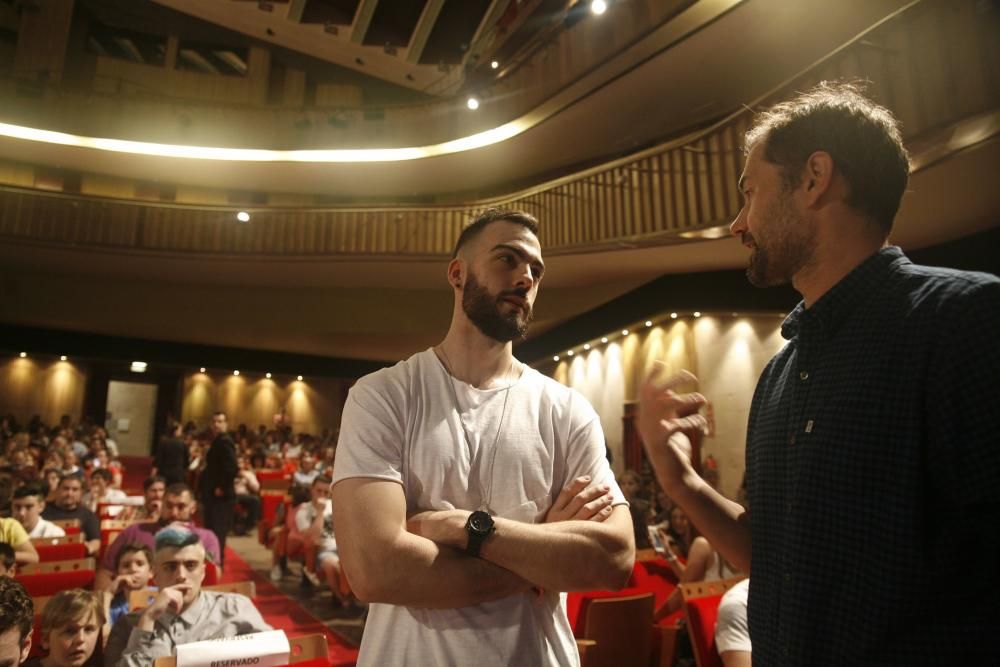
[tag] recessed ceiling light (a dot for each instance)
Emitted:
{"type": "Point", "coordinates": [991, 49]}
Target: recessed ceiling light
{"type": "Point", "coordinates": [604, 340]}
{"type": "Point", "coordinates": [236, 372]}
{"type": "Point", "coordinates": [598, 7]}
{"type": "Point", "coordinates": [555, 358]}
{"type": "Point", "coordinates": [23, 355]}
{"type": "Point", "coordinates": [673, 316]}
{"type": "Point", "coordinates": [697, 313]}
{"type": "Point", "coordinates": [586, 346]}
{"type": "Point", "coordinates": [201, 370]}
{"type": "Point", "coordinates": [267, 375]}
{"type": "Point", "coordinates": [494, 64]}
{"type": "Point", "coordinates": [243, 216]}
{"type": "Point", "coordinates": [472, 103]}
{"type": "Point", "coordinates": [649, 323]}
{"type": "Point", "coordinates": [570, 353]}
{"type": "Point", "coordinates": [624, 332]}
{"type": "Point", "coordinates": [300, 378]}
{"type": "Point", "coordinates": [138, 367]}
{"type": "Point", "coordinates": [62, 358]}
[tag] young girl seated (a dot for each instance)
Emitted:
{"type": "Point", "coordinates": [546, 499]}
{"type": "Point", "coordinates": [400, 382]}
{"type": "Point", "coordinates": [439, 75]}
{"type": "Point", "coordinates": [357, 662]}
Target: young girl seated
{"type": "Point", "coordinates": [71, 626]}
{"type": "Point", "coordinates": [133, 567]}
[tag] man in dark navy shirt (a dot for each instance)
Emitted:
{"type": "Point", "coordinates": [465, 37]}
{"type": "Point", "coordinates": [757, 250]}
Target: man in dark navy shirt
{"type": "Point", "coordinates": [873, 446]}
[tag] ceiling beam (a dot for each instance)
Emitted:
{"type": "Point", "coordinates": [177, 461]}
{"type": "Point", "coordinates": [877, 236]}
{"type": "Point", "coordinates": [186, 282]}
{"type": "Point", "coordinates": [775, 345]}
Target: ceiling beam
{"type": "Point", "coordinates": [418, 40]}
{"type": "Point", "coordinates": [362, 19]}
{"type": "Point", "coordinates": [295, 10]}
{"type": "Point", "coordinates": [485, 29]}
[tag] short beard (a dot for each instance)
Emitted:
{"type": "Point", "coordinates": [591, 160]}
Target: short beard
{"type": "Point", "coordinates": [483, 310]}
{"type": "Point", "coordinates": [783, 250]}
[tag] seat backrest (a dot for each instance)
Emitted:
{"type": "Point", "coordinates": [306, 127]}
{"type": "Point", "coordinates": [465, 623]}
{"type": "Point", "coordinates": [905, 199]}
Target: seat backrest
{"type": "Point", "coordinates": [701, 608]}
{"type": "Point", "coordinates": [43, 579]}
{"type": "Point", "coordinates": [57, 552]}
{"type": "Point", "coordinates": [70, 526]}
{"type": "Point", "coordinates": [622, 628]}
{"type": "Point", "coordinates": [305, 649]}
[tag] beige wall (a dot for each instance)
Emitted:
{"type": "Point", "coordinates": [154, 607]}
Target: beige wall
{"type": "Point", "coordinates": [45, 387]}
{"type": "Point", "coordinates": [727, 354]}
{"type": "Point", "coordinates": [311, 405]}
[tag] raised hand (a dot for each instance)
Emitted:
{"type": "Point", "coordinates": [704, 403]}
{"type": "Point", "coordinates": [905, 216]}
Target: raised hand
{"type": "Point", "coordinates": [666, 419]}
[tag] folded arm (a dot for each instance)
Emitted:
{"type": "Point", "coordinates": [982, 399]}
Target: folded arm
{"type": "Point", "coordinates": [386, 563]}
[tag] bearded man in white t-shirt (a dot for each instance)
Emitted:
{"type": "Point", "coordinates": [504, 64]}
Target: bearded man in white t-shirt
{"type": "Point", "coordinates": [470, 491]}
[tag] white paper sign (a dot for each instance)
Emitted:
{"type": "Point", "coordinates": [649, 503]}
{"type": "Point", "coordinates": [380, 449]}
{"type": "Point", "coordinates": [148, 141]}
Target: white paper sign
{"type": "Point", "coordinates": [261, 649]}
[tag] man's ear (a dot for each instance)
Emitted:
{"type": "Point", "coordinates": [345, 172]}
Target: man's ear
{"type": "Point", "coordinates": [26, 647]}
{"type": "Point", "coordinates": [818, 176]}
{"type": "Point", "coordinates": [456, 273]}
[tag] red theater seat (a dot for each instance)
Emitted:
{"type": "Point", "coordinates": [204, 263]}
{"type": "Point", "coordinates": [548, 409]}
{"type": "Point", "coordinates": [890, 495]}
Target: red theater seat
{"type": "Point", "coordinates": [50, 578]}
{"type": "Point", "coordinates": [51, 549]}
{"type": "Point", "coordinates": [701, 608]}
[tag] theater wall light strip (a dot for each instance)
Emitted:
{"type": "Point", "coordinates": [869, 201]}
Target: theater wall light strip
{"type": "Point", "coordinates": [479, 140]}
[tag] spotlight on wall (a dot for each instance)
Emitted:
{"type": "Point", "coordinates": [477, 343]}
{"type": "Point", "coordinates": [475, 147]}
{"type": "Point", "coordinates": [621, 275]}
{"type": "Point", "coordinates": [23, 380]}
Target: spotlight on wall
{"type": "Point", "coordinates": [138, 367]}
{"type": "Point", "coordinates": [23, 355]}
{"type": "Point", "coordinates": [62, 358]}
{"type": "Point", "coordinates": [494, 64]}
{"type": "Point", "coordinates": [243, 216]}
{"type": "Point", "coordinates": [598, 7]}
{"type": "Point", "coordinates": [201, 370]}
{"type": "Point", "coordinates": [299, 378]}
{"type": "Point", "coordinates": [236, 372]}
{"type": "Point", "coordinates": [697, 313]}
{"type": "Point", "coordinates": [472, 103]}
{"type": "Point", "coordinates": [267, 375]}
{"type": "Point", "coordinates": [555, 358]}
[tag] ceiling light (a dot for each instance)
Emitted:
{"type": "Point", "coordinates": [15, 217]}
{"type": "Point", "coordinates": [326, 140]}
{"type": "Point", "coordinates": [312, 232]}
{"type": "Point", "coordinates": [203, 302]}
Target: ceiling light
{"type": "Point", "coordinates": [267, 375]}
{"type": "Point", "coordinates": [673, 316]}
{"type": "Point", "coordinates": [570, 353]}
{"type": "Point", "coordinates": [586, 346]}
{"type": "Point", "coordinates": [624, 332]}
{"type": "Point", "coordinates": [243, 216]}
{"type": "Point", "coordinates": [649, 323]}
{"type": "Point", "coordinates": [299, 378]}
{"type": "Point", "coordinates": [23, 355]}
{"type": "Point", "coordinates": [201, 370]}
{"type": "Point", "coordinates": [138, 367]}
{"type": "Point", "coordinates": [555, 358]}
{"type": "Point", "coordinates": [472, 103]}
{"type": "Point", "coordinates": [697, 313]}
{"type": "Point", "coordinates": [236, 372]}
{"type": "Point", "coordinates": [604, 340]}
{"type": "Point", "coordinates": [62, 358]}
{"type": "Point", "coordinates": [494, 64]}
{"type": "Point", "coordinates": [598, 7]}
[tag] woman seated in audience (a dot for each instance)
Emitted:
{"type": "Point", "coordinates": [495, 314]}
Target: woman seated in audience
{"type": "Point", "coordinates": [732, 633]}
{"type": "Point", "coordinates": [72, 623]}
{"type": "Point", "coordinates": [51, 476]}
{"type": "Point", "coordinates": [133, 568]}
{"type": "Point", "coordinates": [704, 563]}
{"type": "Point", "coordinates": [679, 534]}
{"type": "Point", "coordinates": [100, 490]}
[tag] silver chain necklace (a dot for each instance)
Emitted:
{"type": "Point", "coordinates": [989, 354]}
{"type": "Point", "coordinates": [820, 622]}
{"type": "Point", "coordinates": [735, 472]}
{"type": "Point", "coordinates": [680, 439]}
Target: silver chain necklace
{"type": "Point", "coordinates": [468, 439]}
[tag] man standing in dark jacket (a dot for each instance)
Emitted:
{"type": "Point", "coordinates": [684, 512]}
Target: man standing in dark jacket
{"type": "Point", "coordinates": [216, 483]}
{"type": "Point", "coordinates": [172, 459]}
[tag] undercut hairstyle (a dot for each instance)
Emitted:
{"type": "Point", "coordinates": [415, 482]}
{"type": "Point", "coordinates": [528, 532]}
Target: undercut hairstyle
{"type": "Point", "coordinates": [488, 217]}
{"type": "Point", "coordinates": [16, 608]}
{"type": "Point", "coordinates": [862, 137]}
{"type": "Point", "coordinates": [151, 480]}
{"type": "Point", "coordinates": [74, 605]}
{"type": "Point", "coordinates": [7, 556]}
{"type": "Point", "coordinates": [103, 473]}
{"type": "Point", "coordinates": [31, 489]}
{"type": "Point", "coordinates": [177, 488]}
{"type": "Point", "coordinates": [175, 538]}
{"type": "Point", "coordinates": [130, 548]}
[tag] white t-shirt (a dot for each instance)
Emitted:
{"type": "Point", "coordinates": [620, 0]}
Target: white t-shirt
{"type": "Point", "coordinates": [731, 630]}
{"type": "Point", "coordinates": [304, 517]}
{"type": "Point", "coordinates": [46, 529]}
{"type": "Point", "coordinates": [401, 424]}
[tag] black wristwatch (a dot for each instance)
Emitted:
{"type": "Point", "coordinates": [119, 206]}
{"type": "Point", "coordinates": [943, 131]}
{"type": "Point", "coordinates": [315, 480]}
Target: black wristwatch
{"type": "Point", "coordinates": [479, 526]}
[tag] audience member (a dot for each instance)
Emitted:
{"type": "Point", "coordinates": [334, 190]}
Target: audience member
{"type": "Point", "coordinates": [703, 563]}
{"type": "Point", "coordinates": [101, 491]}
{"type": "Point", "coordinates": [133, 568]}
{"type": "Point", "coordinates": [8, 561]}
{"type": "Point", "coordinates": [67, 506]}
{"type": "Point", "coordinates": [679, 533]}
{"type": "Point", "coordinates": [247, 490]}
{"type": "Point", "coordinates": [51, 477]}
{"type": "Point", "coordinates": [315, 521]}
{"type": "Point", "coordinates": [732, 633]}
{"type": "Point", "coordinates": [153, 488]}
{"type": "Point", "coordinates": [71, 629]}
{"type": "Point", "coordinates": [14, 534]}
{"type": "Point", "coordinates": [215, 484]}
{"type": "Point", "coordinates": [307, 471]}
{"type": "Point", "coordinates": [178, 508]}
{"type": "Point", "coordinates": [639, 509]}
{"type": "Point", "coordinates": [17, 614]}
{"type": "Point", "coordinates": [172, 457]}
{"type": "Point", "coordinates": [284, 537]}
{"type": "Point", "coordinates": [27, 507]}
{"type": "Point", "coordinates": [182, 612]}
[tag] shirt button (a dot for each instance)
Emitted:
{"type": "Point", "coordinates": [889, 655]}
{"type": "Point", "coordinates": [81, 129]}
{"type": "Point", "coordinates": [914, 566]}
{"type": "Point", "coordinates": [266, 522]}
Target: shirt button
{"type": "Point", "coordinates": [791, 439]}
{"type": "Point", "coordinates": [804, 375]}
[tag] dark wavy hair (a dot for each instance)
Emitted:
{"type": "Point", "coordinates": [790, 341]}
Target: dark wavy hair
{"type": "Point", "coordinates": [16, 608]}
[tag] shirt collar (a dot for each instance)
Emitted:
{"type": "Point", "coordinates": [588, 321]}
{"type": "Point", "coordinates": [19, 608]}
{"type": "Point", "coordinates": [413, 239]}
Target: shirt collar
{"type": "Point", "coordinates": [834, 307]}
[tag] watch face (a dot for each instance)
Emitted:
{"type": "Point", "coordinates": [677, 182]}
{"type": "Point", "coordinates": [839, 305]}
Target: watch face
{"type": "Point", "coordinates": [481, 522]}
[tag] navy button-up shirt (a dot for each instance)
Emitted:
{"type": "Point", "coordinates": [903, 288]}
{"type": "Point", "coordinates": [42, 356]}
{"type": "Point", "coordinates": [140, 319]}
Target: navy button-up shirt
{"type": "Point", "coordinates": [873, 474]}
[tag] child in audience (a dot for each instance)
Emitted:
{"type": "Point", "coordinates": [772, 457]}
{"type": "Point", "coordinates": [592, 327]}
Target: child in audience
{"type": "Point", "coordinates": [71, 629]}
{"type": "Point", "coordinates": [133, 568]}
{"type": "Point", "coordinates": [8, 563]}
